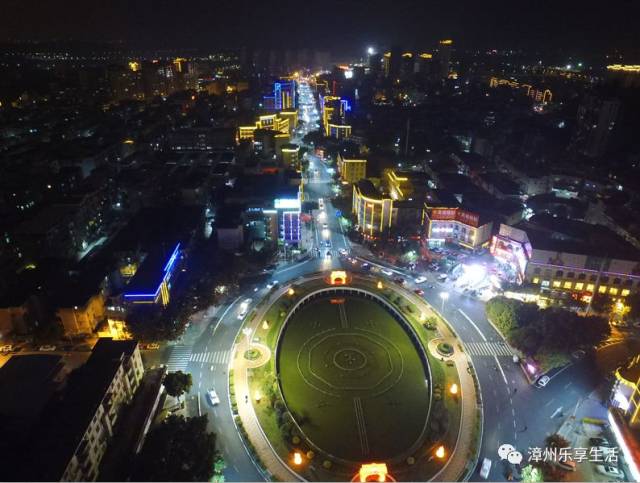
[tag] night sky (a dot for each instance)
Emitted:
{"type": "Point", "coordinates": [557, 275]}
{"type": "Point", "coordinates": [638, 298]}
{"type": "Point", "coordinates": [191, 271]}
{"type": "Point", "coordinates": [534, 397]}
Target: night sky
{"type": "Point", "coordinates": [328, 23]}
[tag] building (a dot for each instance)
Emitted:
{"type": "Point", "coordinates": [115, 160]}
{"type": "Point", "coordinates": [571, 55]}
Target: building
{"type": "Point", "coordinates": [291, 156]}
{"type": "Point", "coordinates": [595, 120]}
{"type": "Point", "coordinates": [374, 212]}
{"type": "Point", "coordinates": [405, 185]}
{"type": "Point", "coordinates": [288, 213]}
{"type": "Point", "coordinates": [351, 170]}
{"type": "Point", "coordinates": [152, 282]}
{"type": "Point", "coordinates": [267, 122]}
{"type": "Point", "coordinates": [456, 225]}
{"type": "Point", "coordinates": [444, 57]}
{"type": "Point", "coordinates": [283, 97]}
{"type": "Point", "coordinates": [334, 112]}
{"type": "Point", "coordinates": [624, 414]}
{"type": "Point", "coordinates": [84, 318]}
{"type": "Point", "coordinates": [570, 256]}
{"type": "Point", "coordinates": [77, 425]}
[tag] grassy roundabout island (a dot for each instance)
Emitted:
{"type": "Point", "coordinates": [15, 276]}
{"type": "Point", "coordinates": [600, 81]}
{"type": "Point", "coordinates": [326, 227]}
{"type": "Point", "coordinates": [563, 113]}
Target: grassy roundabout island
{"type": "Point", "coordinates": [351, 377]}
{"type": "Point", "coordinates": [347, 377]}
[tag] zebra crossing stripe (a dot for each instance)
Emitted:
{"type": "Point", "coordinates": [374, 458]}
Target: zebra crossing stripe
{"type": "Point", "coordinates": [488, 349]}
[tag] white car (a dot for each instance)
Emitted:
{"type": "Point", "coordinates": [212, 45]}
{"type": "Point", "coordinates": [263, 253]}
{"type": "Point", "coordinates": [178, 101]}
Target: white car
{"type": "Point", "coordinates": [610, 471]}
{"type": "Point", "coordinates": [485, 469]}
{"type": "Point", "coordinates": [213, 397]}
{"type": "Point", "coordinates": [47, 348]}
{"type": "Point", "coordinates": [387, 272]}
{"type": "Point", "coordinates": [343, 252]}
{"type": "Point", "coordinates": [543, 381]}
{"type": "Point", "coordinates": [272, 284]}
{"type": "Point", "coordinates": [244, 307]}
{"type": "Point", "coordinates": [420, 279]}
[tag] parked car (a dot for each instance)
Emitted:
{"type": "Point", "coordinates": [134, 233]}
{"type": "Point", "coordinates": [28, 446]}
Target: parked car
{"type": "Point", "coordinates": [47, 348]}
{"type": "Point", "coordinates": [420, 279]}
{"type": "Point", "coordinates": [400, 280]}
{"type": "Point", "coordinates": [610, 471]}
{"type": "Point", "coordinates": [387, 272]}
{"type": "Point", "coordinates": [419, 291]}
{"type": "Point", "coordinates": [213, 397]}
{"type": "Point", "coordinates": [542, 381]}
{"type": "Point", "coordinates": [485, 469]}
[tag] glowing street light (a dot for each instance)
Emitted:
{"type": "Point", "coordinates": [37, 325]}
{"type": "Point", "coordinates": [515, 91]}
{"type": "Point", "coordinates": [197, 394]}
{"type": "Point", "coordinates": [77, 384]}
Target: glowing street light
{"type": "Point", "coordinates": [257, 396]}
{"type": "Point", "coordinates": [440, 452]}
{"type": "Point", "coordinates": [371, 50]}
{"type": "Point", "coordinates": [379, 285]}
{"type": "Point", "coordinates": [265, 324]}
{"type": "Point", "coordinates": [297, 458]}
{"type": "Point", "coordinates": [291, 292]}
{"type": "Point", "coordinates": [444, 296]}
{"type": "Point", "coordinates": [453, 389]}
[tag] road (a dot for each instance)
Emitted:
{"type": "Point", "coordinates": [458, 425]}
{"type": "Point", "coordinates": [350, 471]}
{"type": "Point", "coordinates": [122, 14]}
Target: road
{"type": "Point", "coordinates": [514, 411]}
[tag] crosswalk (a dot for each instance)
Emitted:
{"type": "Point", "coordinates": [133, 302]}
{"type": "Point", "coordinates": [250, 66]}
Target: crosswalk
{"type": "Point", "coordinates": [216, 357]}
{"type": "Point", "coordinates": [179, 358]}
{"type": "Point", "coordinates": [488, 349]}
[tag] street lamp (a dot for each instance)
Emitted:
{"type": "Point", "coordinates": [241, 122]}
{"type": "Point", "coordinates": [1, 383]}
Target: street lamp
{"type": "Point", "coordinates": [453, 389]}
{"type": "Point", "coordinates": [440, 452]}
{"type": "Point", "coordinates": [444, 296]}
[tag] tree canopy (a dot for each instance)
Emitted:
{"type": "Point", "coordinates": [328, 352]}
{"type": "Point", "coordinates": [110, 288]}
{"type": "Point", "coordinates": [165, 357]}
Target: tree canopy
{"type": "Point", "coordinates": [177, 383]}
{"type": "Point", "coordinates": [178, 449]}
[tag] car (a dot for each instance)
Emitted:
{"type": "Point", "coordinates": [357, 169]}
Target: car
{"type": "Point", "coordinates": [213, 397]}
{"type": "Point", "coordinates": [366, 266]}
{"type": "Point", "coordinates": [244, 307]}
{"type": "Point", "coordinates": [152, 346]}
{"type": "Point", "coordinates": [485, 468]}
{"type": "Point", "coordinates": [399, 280]}
{"type": "Point", "coordinates": [325, 226]}
{"type": "Point", "coordinates": [343, 252]}
{"type": "Point", "coordinates": [442, 277]}
{"type": "Point", "coordinates": [542, 381]}
{"type": "Point", "coordinates": [387, 272]}
{"type": "Point", "coordinates": [610, 471]}
{"type": "Point", "coordinates": [419, 291]}
{"type": "Point", "coordinates": [272, 284]}
{"type": "Point", "coordinates": [47, 348]}
{"type": "Point", "coordinates": [420, 279]}
{"type": "Point", "coordinates": [599, 442]}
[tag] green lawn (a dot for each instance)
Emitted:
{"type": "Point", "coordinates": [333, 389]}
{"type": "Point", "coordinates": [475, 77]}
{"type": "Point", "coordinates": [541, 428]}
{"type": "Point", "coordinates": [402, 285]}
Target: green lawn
{"type": "Point", "coordinates": [353, 381]}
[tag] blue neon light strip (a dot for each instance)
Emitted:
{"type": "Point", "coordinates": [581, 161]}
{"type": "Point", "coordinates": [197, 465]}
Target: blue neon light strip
{"type": "Point", "coordinates": [167, 272]}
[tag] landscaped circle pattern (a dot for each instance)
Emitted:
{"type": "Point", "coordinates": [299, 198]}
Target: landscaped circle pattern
{"type": "Point", "coordinates": [353, 378]}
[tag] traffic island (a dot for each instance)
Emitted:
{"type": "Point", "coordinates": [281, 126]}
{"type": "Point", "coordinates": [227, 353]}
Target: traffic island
{"type": "Point", "coordinates": [350, 382]}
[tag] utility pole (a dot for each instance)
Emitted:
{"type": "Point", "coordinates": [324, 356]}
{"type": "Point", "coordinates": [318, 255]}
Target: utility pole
{"type": "Point", "coordinates": [596, 285]}
{"type": "Point", "coordinates": [406, 138]}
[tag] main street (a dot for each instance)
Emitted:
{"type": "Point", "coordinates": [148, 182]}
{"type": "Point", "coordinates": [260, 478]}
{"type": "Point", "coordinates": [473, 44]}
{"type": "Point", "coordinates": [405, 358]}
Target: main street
{"type": "Point", "coordinates": [507, 396]}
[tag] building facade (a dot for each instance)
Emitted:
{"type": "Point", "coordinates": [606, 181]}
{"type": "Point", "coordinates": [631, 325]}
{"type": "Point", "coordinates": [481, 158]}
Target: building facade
{"type": "Point", "coordinates": [455, 225]}
{"type": "Point", "coordinates": [374, 212]}
{"type": "Point", "coordinates": [351, 170]}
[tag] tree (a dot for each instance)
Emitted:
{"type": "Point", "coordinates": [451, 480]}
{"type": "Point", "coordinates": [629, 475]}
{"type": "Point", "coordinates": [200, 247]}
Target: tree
{"type": "Point", "coordinates": [502, 312]}
{"type": "Point", "coordinates": [531, 474]}
{"type": "Point", "coordinates": [549, 360]}
{"type": "Point", "coordinates": [177, 383]}
{"type": "Point", "coordinates": [633, 302]}
{"type": "Point", "coordinates": [178, 449]}
{"type": "Point", "coordinates": [556, 441]}
{"type": "Point", "coordinates": [601, 303]}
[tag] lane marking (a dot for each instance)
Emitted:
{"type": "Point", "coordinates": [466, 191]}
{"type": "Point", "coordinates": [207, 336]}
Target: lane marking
{"type": "Point", "coordinates": [501, 372]}
{"type": "Point", "coordinates": [474, 324]}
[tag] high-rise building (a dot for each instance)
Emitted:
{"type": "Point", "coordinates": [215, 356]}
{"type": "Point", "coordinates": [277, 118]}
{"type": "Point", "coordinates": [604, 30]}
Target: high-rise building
{"type": "Point", "coordinates": [596, 118]}
{"type": "Point", "coordinates": [284, 96]}
{"type": "Point", "coordinates": [351, 170]}
{"type": "Point", "coordinates": [444, 57]}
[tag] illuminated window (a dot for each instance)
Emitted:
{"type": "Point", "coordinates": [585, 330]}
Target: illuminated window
{"type": "Point", "coordinates": [625, 292]}
{"type": "Point", "coordinates": [602, 289]}
{"type": "Point", "coordinates": [590, 287]}
{"type": "Point", "coordinates": [613, 291]}
{"type": "Point", "coordinates": [567, 285]}
{"type": "Point", "coordinates": [545, 283]}
{"type": "Point", "coordinates": [579, 286]}
{"type": "Point", "coordinates": [536, 280]}
{"type": "Point", "coordinates": [556, 283]}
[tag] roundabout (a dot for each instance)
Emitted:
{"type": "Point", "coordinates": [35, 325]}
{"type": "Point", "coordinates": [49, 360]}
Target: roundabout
{"type": "Point", "coordinates": [345, 378]}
